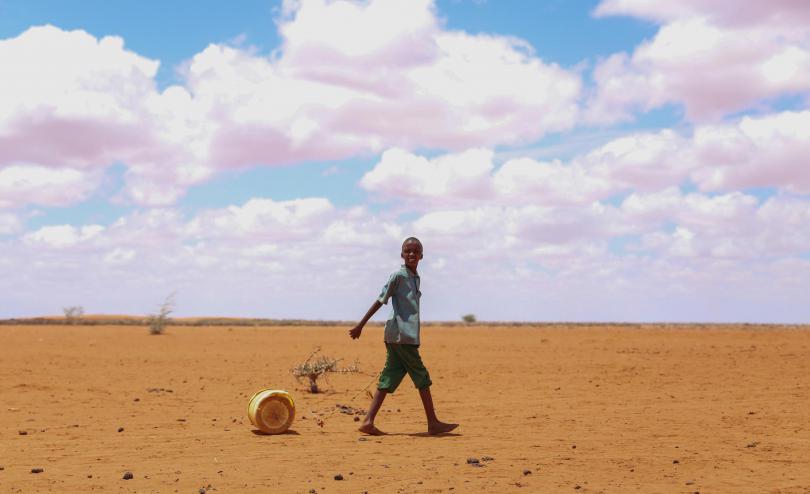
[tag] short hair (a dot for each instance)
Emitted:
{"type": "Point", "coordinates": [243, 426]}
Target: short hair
{"type": "Point", "coordinates": [413, 239]}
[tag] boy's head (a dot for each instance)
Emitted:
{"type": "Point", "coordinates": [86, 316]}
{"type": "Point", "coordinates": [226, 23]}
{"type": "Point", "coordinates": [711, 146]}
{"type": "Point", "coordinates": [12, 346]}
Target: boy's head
{"type": "Point", "coordinates": [411, 252]}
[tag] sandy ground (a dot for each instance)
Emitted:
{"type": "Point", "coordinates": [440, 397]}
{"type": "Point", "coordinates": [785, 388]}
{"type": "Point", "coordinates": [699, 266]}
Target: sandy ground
{"type": "Point", "coordinates": [602, 409]}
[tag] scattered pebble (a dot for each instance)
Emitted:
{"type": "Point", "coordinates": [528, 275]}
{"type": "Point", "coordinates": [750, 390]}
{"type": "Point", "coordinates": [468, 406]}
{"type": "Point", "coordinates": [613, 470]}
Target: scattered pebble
{"type": "Point", "coordinates": [527, 472]}
{"type": "Point", "coordinates": [202, 490]}
{"type": "Point", "coordinates": [313, 491]}
{"type": "Point", "coordinates": [577, 487]}
{"type": "Point", "coordinates": [137, 399]}
{"type": "Point", "coordinates": [690, 482]}
{"type": "Point", "coordinates": [573, 446]}
{"type": "Point", "coordinates": [487, 458]}
{"type": "Point", "coordinates": [120, 429]}
{"type": "Point", "coordinates": [362, 439]}
{"type": "Point", "coordinates": [675, 462]}
{"type": "Point", "coordinates": [37, 470]}
{"type": "Point", "coordinates": [159, 390]}
{"type": "Point", "coordinates": [473, 461]}
{"type": "Point", "coordinates": [128, 475]}
{"type": "Point", "coordinates": [752, 445]}
{"type": "Point", "coordinates": [2, 467]}
{"type": "Point", "coordinates": [23, 433]}
{"type": "Point", "coordinates": [89, 476]}
{"type": "Point", "coordinates": [356, 418]}
{"type": "Point", "coordinates": [338, 477]}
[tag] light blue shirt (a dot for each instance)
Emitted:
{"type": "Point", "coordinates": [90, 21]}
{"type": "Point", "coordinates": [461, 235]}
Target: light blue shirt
{"type": "Point", "coordinates": [402, 325]}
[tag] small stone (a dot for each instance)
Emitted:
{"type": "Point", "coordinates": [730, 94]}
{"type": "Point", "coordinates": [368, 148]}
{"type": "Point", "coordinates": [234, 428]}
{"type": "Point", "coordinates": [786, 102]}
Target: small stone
{"type": "Point", "coordinates": [37, 470]}
{"type": "Point", "coordinates": [128, 475]}
{"type": "Point", "coordinates": [527, 472]}
{"type": "Point", "coordinates": [573, 446]}
{"type": "Point", "coordinates": [752, 445]}
{"type": "Point", "coordinates": [675, 462]}
{"type": "Point", "coordinates": [89, 476]}
{"type": "Point", "coordinates": [487, 458]}
{"type": "Point", "coordinates": [137, 399]}
{"type": "Point", "coordinates": [690, 482]}
{"type": "Point", "coordinates": [23, 433]}
{"type": "Point", "coordinates": [361, 439]}
{"type": "Point", "coordinates": [473, 461]}
{"type": "Point", "coordinates": [577, 487]}
{"type": "Point", "coordinates": [338, 477]}
{"type": "Point", "coordinates": [356, 418]}
{"type": "Point", "coordinates": [120, 429]}
{"type": "Point", "coordinates": [313, 491]}
{"type": "Point", "coordinates": [2, 467]}
{"type": "Point", "coordinates": [202, 490]}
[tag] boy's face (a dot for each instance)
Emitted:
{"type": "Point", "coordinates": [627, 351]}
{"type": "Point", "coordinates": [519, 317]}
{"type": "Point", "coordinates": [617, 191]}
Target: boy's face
{"type": "Point", "coordinates": [412, 254]}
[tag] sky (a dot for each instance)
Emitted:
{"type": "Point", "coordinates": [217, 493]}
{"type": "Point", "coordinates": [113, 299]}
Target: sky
{"type": "Point", "coordinates": [606, 160]}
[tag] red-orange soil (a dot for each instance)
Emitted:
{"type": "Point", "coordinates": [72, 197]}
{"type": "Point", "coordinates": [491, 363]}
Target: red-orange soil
{"type": "Point", "coordinates": [558, 409]}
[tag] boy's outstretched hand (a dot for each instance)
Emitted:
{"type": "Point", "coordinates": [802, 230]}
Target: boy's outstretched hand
{"type": "Point", "coordinates": [355, 332]}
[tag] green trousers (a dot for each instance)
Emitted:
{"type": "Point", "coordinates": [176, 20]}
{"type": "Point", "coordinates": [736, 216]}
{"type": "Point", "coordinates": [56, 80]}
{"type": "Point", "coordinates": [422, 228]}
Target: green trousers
{"type": "Point", "coordinates": [401, 360]}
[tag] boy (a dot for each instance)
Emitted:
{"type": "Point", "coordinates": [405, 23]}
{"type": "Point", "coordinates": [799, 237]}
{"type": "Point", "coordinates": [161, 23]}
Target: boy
{"type": "Point", "coordinates": [401, 341]}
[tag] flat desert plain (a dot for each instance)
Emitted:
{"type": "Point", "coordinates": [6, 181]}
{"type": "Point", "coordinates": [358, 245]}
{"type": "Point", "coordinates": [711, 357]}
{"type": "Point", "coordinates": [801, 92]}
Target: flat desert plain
{"type": "Point", "coordinates": [553, 408]}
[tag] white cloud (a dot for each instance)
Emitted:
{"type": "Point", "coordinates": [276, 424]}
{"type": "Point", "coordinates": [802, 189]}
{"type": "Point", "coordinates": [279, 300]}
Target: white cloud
{"type": "Point", "coordinates": [79, 102]}
{"type": "Point", "coordinates": [402, 174]}
{"type": "Point", "coordinates": [9, 223]}
{"type": "Point", "coordinates": [714, 58]}
{"type": "Point", "coordinates": [274, 258]}
{"type": "Point", "coordinates": [60, 236]}
{"type": "Point", "coordinates": [34, 184]}
{"type": "Point", "coordinates": [767, 151]}
{"type": "Point", "coordinates": [763, 152]}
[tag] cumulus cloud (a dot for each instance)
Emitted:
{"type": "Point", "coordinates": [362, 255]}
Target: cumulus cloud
{"type": "Point", "coordinates": [714, 58]}
{"type": "Point", "coordinates": [80, 102]}
{"type": "Point", "coordinates": [59, 236]}
{"type": "Point", "coordinates": [765, 152]}
{"type": "Point", "coordinates": [768, 151]}
{"type": "Point", "coordinates": [35, 184]}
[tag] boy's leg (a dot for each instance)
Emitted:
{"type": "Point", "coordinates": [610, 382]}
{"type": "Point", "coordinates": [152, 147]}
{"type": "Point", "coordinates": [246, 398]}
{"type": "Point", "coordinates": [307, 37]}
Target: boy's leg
{"type": "Point", "coordinates": [368, 424]}
{"type": "Point", "coordinates": [412, 361]}
{"type": "Point", "coordinates": [390, 377]}
{"type": "Point", "coordinates": [435, 426]}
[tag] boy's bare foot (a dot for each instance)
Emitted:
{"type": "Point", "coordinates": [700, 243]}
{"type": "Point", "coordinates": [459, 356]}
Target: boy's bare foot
{"type": "Point", "coordinates": [370, 430]}
{"type": "Point", "coordinates": [440, 427]}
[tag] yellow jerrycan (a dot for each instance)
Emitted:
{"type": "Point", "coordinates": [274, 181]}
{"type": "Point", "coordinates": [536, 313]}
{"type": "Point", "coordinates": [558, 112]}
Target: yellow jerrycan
{"type": "Point", "coordinates": [272, 411]}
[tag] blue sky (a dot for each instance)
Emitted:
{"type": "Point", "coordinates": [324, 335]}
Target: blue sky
{"type": "Point", "coordinates": [581, 144]}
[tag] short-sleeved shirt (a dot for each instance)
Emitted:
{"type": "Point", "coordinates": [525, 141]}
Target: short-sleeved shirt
{"type": "Point", "coordinates": [402, 325]}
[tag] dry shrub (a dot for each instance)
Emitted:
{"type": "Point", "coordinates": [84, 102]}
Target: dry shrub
{"type": "Point", "coordinates": [158, 322]}
{"type": "Point", "coordinates": [73, 314]}
{"type": "Point", "coordinates": [316, 366]}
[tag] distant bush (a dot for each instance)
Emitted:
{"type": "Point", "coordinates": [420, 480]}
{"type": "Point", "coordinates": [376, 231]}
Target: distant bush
{"type": "Point", "coordinates": [158, 322]}
{"type": "Point", "coordinates": [468, 318]}
{"type": "Point", "coordinates": [73, 313]}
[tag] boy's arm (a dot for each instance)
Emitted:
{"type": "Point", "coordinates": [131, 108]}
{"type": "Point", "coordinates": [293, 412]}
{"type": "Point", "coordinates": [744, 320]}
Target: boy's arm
{"type": "Point", "coordinates": [355, 331]}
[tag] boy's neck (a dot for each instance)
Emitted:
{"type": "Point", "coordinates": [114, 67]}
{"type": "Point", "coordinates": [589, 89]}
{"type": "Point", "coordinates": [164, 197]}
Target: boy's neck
{"type": "Point", "coordinates": [412, 270]}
